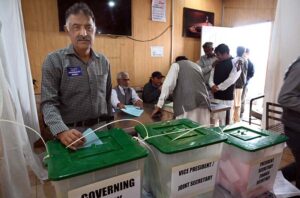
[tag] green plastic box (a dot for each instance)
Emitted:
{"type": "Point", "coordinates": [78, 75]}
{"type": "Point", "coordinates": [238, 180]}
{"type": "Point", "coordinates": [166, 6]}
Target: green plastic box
{"type": "Point", "coordinates": [95, 169]}
{"type": "Point", "coordinates": [250, 160]}
{"type": "Point", "coordinates": [183, 160]}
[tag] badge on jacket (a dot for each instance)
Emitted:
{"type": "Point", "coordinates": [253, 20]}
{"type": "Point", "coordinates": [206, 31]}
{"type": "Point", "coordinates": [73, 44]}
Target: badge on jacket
{"type": "Point", "coordinates": [74, 71]}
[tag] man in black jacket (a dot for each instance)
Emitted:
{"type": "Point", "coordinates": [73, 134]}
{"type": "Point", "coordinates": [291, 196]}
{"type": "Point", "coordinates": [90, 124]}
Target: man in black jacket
{"type": "Point", "coordinates": [223, 76]}
{"type": "Point", "coordinates": [152, 89]}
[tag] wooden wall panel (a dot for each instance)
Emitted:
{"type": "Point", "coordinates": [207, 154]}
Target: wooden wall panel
{"type": "Point", "coordinates": [245, 12]}
{"type": "Point", "coordinates": [42, 36]}
{"type": "Point", "coordinates": [145, 29]}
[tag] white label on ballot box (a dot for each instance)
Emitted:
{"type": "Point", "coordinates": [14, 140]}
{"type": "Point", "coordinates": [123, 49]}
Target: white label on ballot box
{"type": "Point", "coordinates": [122, 186]}
{"type": "Point", "coordinates": [263, 171]}
{"type": "Point", "coordinates": [193, 178]}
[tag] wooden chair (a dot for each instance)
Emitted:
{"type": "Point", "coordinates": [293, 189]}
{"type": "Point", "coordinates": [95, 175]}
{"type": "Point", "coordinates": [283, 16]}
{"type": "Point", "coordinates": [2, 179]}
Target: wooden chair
{"type": "Point", "coordinates": [273, 117]}
{"type": "Point", "coordinates": [252, 113]}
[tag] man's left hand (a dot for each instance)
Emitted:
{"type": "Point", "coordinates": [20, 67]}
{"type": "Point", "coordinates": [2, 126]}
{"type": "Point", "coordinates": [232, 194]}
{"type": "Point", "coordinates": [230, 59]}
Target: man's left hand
{"type": "Point", "coordinates": [139, 104]}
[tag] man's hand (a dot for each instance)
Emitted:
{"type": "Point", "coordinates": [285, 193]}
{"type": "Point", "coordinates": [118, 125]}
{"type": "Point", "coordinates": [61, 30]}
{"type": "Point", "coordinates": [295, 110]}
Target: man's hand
{"type": "Point", "coordinates": [139, 104]}
{"type": "Point", "coordinates": [214, 88]}
{"type": "Point", "coordinates": [68, 137]}
{"type": "Point", "coordinates": [121, 106]}
{"type": "Point", "coordinates": [155, 112]}
{"type": "Point", "coordinates": [215, 63]}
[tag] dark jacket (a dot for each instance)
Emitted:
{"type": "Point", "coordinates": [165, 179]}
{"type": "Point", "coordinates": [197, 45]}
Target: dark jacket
{"type": "Point", "coordinates": [150, 93]}
{"type": "Point", "coordinates": [250, 71]}
{"type": "Point", "coordinates": [222, 71]}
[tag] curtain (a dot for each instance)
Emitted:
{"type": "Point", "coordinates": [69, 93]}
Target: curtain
{"type": "Point", "coordinates": [18, 71]}
{"type": "Point", "coordinates": [17, 103]}
{"type": "Point", "coordinates": [284, 47]}
{"type": "Point", "coordinates": [14, 176]}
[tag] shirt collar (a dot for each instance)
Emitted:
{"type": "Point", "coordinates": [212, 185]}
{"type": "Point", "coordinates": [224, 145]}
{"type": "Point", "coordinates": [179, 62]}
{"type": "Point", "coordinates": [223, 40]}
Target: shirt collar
{"type": "Point", "coordinates": [122, 89]}
{"type": "Point", "coordinates": [210, 56]}
{"type": "Point", "coordinates": [153, 85]}
{"type": "Point", "coordinates": [70, 50]}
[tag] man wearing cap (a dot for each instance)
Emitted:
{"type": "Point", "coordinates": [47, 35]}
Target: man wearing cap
{"type": "Point", "coordinates": [190, 96]}
{"type": "Point", "coordinates": [152, 89]}
{"type": "Point", "coordinates": [123, 95]}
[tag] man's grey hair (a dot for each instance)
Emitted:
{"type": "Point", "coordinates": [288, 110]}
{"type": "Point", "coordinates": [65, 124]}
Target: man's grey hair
{"type": "Point", "coordinates": [208, 45]}
{"type": "Point", "coordinates": [122, 75]}
{"type": "Point", "coordinates": [76, 9]}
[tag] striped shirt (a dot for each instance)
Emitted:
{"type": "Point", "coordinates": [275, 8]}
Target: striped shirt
{"type": "Point", "coordinates": [73, 90]}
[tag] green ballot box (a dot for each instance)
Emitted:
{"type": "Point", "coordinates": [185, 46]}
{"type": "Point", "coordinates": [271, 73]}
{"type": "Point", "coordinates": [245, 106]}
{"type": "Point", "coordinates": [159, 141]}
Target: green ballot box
{"type": "Point", "coordinates": [111, 169]}
{"type": "Point", "coordinates": [183, 160]}
{"type": "Point", "coordinates": [250, 160]}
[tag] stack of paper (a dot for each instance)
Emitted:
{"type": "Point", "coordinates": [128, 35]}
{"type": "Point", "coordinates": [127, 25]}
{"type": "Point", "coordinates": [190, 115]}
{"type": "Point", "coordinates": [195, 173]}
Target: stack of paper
{"type": "Point", "coordinates": [133, 110]}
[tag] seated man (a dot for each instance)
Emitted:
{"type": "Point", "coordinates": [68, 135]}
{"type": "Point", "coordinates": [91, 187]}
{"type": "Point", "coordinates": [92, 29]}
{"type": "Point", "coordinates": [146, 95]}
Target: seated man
{"type": "Point", "coordinates": [123, 95]}
{"type": "Point", "coordinates": [152, 89]}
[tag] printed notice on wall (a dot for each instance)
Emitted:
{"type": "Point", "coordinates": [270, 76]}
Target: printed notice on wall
{"type": "Point", "coordinates": [193, 178]}
{"type": "Point", "coordinates": [263, 171]}
{"type": "Point", "coordinates": [123, 186]}
{"type": "Point", "coordinates": [157, 51]}
{"type": "Point", "coordinates": [159, 10]}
